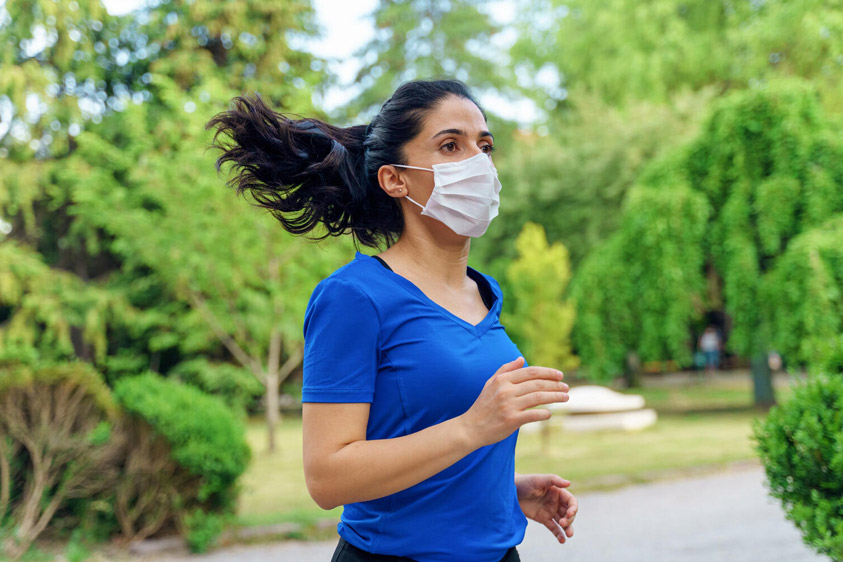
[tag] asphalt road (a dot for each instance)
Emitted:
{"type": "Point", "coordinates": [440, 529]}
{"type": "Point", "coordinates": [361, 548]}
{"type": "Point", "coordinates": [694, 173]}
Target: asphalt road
{"type": "Point", "coordinates": [721, 517]}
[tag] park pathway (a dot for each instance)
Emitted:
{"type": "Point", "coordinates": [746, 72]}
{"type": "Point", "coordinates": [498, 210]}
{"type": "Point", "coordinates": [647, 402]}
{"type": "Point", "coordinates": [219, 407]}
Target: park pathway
{"type": "Point", "coordinates": [724, 517]}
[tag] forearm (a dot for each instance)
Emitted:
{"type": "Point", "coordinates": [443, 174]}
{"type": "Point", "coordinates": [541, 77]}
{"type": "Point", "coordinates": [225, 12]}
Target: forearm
{"type": "Point", "coordinates": [369, 469]}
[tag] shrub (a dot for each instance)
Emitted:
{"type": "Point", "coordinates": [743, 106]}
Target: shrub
{"type": "Point", "coordinates": [801, 447]}
{"type": "Point", "coordinates": [203, 528]}
{"type": "Point", "coordinates": [55, 444]}
{"type": "Point", "coordinates": [236, 385]}
{"type": "Point", "coordinates": [188, 450]}
{"type": "Point", "coordinates": [149, 496]}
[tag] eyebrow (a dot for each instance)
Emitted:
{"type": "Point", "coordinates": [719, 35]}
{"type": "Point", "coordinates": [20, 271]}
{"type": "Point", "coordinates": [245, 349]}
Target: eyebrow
{"type": "Point", "coordinates": [461, 133]}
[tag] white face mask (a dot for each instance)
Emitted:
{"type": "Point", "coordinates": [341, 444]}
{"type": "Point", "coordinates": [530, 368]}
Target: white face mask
{"type": "Point", "coordinates": [465, 194]}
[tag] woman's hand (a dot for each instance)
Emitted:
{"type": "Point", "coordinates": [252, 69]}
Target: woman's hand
{"type": "Point", "coordinates": [507, 399]}
{"type": "Point", "coordinates": [543, 498]}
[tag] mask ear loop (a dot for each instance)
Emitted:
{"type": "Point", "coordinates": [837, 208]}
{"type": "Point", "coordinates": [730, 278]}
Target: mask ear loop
{"type": "Point", "coordinates": [419, 206]}
{"type": "Point", "coordinates": [413, 167]}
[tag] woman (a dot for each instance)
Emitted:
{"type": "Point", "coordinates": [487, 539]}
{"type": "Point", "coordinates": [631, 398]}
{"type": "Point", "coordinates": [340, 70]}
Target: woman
{"type": "Point", "coordinates": [413, 393]}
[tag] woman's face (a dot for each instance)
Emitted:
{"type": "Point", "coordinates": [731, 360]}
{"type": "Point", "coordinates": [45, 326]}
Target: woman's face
{"type": "Point", "coordinates": [453, 130]}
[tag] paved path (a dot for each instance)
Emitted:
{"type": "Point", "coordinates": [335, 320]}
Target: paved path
{"type": "Point", "coordinates": [721, 517]}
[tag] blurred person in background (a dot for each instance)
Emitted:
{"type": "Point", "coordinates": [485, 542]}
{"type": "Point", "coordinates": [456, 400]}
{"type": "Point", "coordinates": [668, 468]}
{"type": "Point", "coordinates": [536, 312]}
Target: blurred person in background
{"type": "Point", "coordinates": [710, 344]}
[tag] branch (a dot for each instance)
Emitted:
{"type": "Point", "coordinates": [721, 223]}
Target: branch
{"type": "Point", "coordinates": [293, 361]}
{"type": "Point", "coordinates": [244, 358]}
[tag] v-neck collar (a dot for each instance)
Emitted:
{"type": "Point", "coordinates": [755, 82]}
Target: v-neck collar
{"type": "Point", "coordinates": [476, 329]}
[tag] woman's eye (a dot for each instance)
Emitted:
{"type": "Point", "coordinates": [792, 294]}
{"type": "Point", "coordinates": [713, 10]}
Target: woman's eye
{"type": "Point", "coordinates": [488, 148]}
{"type": "Point", "coordinates": [450, 147]}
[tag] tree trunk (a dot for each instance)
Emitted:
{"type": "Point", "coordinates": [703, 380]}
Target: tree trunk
{"type": "Point", "coordinates": [272, 407]}
{"type": "Point", "coordinates": [762, 382]}
{"type": "Point", "coordinates": [273, 384]}
{"type": "Point", "coordinates": [7, 451]}
{"type": "Point", "coordinates": [632, 373]}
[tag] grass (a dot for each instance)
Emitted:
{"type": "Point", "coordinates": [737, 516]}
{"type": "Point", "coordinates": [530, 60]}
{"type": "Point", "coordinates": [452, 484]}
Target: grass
{"type": "Point", "coordinates": [608, 459]}
{"type": "Point", "coordinates": [274, 490]}
{"type": "Point", "coordinates": [701, 424]}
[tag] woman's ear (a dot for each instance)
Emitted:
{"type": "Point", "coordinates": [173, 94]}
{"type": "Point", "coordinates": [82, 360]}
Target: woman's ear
{"type": "Point", "coordinates": [391, 181]}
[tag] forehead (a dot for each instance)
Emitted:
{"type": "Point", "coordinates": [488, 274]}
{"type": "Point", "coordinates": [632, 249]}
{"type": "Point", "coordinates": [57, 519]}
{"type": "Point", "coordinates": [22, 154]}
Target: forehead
{"type": "Point", "coordinates": [453, 112]}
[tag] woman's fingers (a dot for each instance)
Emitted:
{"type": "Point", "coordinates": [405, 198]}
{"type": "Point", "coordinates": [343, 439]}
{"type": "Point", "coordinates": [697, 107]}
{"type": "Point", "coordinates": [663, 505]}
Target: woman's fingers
{"type": "Point", "coordinates": [537, 385]}
{"type": "Point", "coordinates": [509, 399]}
{"type": "Point", "coordinates": [533, 415]}
{"type": "Point", "coordinates": [567, 510]}
{"type": "Point", "coordinates": [531, 373]}
{"type": "Point", "coordinates": [557, 530]}
{"type": "Point", "coordinates": [511, 366]}
{"type": "Point", "coordinates": [540, 398]}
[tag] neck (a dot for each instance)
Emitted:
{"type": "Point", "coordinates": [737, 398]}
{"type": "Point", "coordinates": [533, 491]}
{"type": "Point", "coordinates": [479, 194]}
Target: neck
{"type": "Point", "coordinates": [439, 260]}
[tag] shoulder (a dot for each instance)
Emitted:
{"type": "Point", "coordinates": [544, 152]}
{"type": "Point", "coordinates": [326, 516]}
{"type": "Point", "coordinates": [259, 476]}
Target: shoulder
{"type": "Point", "coordinates": [350, 285]}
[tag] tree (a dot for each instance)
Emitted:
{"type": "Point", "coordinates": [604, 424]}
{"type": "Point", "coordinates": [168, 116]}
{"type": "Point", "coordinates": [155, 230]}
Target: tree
{"type": "Point", "coordinates": [801, 298]}
{"type": "Point", "coordinates": [765, 170]}
{"type": "Point", "coordinates": [624, 50]}
{"type": "Point", "coordinates": [638, 292]}
{"type": "Point", "coordinates": [119, 225]}
{"type": "Point", "coordinates": [244, 280]}
{"type": "Point", "coordinates": [573, 179]}
{"type": "Point", "coordinates": [540, 321]}
{"type": "Point", "coordinates": [425, 40]}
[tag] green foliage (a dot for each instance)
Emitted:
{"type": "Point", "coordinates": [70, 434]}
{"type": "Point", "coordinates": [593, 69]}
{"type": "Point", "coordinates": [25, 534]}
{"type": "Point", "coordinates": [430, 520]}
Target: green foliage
{"type": "Point", "coordinates": [625, 50]}
{"type": "Point", "coordinates": [19, 377]}
{"type": "Point", "coordinates": [55, 444]}
{"type": "Point", "coordinates": [205, 437]}
{"type": "Point", "coordinates": [424, 40]}
{"type": "Point", "coordinates": [49, 306]}
{"type": "Point", "coordinates": [573, 180]}
{"type": "Point", "coordinates": [76, 549]}
{"type": "Point", "coordinates": [802, 298]}
{"type": "Point", "coordinates": [247, 46]}
{"type": "Point", "coordinates": [714, 217]}
{"type": "Point", "coordinates": [540, 321]}
{"type": "Point", "coordinates": [238, 387]}
{"type": "Point", "coordinates": [801, 447]}
{"type": "Point", "coordinates": [639, 291]}
{"type": "Point", "coordinates": [203, 529]}
{"type": "Point", "coordinates": [127, 250]}
{"type": "Point", "coordinates": [91, 62]}
{"type": "Point", "coordinates": [766, 161]}
{"type": "Point", "coordinates": [55, 67]}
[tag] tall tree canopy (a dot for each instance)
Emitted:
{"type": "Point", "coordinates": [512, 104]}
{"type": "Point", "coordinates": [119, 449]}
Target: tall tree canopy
{"type": "Point", "coordinates": [573, 179]}
{"type": "Point", "coordinates": [765, 171]}
{"type": "Point", "coordinates": [126, 249]}
{"type": "Point", "coordinates": [623, 50]}
{"type": "Point", "coordinates": [425, 39]}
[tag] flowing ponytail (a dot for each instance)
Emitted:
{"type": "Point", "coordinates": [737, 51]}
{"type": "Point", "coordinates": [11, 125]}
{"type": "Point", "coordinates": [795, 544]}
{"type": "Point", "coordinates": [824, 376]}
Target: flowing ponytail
{"type": "Point", "coordinates": [307, 172]}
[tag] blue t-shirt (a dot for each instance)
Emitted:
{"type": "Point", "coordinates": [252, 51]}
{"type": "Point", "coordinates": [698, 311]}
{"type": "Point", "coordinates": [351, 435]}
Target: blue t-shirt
{"type": "Point", "coordinates": [372, 336]}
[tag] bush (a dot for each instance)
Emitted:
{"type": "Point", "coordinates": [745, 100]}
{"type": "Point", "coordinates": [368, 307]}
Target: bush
{"type": "Point", "coordinates": [71, 460]}
{"type": "Point", "coordinates": [55, 444]}
{"type": "Point", "coordinates": [801, 447]}
{"type": "Point", "coordinates": [236, 385]}
{"type": "Point", "coordinates": [203, 529]}
{"type": "Point", "coordinates": [188, 451]}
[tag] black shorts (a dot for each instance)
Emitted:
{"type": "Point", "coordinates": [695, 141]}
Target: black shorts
{"type": "Point", "coordinates": [347, 552]}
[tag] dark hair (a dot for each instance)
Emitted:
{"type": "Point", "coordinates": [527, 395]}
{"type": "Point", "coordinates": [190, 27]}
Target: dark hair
{"type": "Point", "coordinates": [306, 172]}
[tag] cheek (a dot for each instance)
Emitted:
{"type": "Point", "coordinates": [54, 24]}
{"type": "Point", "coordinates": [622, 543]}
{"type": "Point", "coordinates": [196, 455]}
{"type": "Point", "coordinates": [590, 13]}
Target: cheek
{"type": "Point", "coordinates": [420, 187]}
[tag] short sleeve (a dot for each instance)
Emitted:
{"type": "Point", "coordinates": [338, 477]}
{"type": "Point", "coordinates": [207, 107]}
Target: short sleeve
{"type": "Point", "coordinates": [341, 334]}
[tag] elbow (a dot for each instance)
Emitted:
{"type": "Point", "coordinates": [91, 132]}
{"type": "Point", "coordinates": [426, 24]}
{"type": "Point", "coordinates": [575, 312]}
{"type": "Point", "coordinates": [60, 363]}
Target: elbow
{"type": "Point", "coordinates": [321, 492]}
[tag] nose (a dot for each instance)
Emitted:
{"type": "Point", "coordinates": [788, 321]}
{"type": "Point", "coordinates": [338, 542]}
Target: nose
{"type": "Point", "coordinates": [474, 151]}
